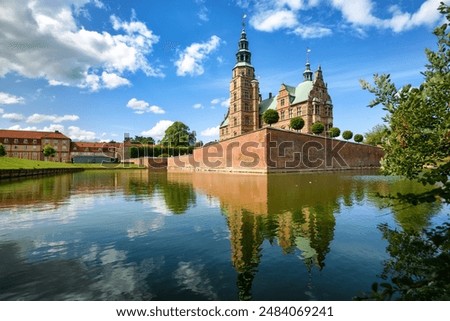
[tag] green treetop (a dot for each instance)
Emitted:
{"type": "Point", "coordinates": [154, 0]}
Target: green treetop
{"type": "Point", "coordinates": [418, 143]}
{"type": "Point", "coordinates": [270, 116]}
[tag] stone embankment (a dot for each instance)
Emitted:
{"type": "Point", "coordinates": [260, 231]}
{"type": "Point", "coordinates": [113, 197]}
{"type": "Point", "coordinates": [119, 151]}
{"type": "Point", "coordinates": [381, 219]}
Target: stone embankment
{"type": "Point", "coordinates": [18, 173]}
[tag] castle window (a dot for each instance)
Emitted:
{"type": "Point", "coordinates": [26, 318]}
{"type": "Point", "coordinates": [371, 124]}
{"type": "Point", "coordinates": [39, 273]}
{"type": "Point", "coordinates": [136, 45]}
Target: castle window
{"type": "Point", "coordinates": [6, 140]}
{"type": "Point", "coordinates": [247, 120]}
{"type": "Point", "coordinates": [299, 111]}
{"type": "Point", "coordinates": [234, 84]}
{"type": "Point", "coordinates": [235, 121]}
{"type": "Point", "coordinates": [316, 109]}
{"type": "Point", "coordinates": [34, 141]}
{"type": "Point", "coordinates": [246, 95]}
{"type": "Point", "coordinates": [235, 108]}
{"type": "Point", "coordinates": [25, 141]}
{"type": "Point", "coordinates": [246, 107]}
{"type": "Point", "coordinates": [290, 113]}
{"type": "Point", "coordinates": [282, 115]}
{"type": "Point", "coordinates": [234, 96]}
{"type": "Point", "coordinates": [16, 141]}
{"type": "Point", "coordinates": [282, 102]}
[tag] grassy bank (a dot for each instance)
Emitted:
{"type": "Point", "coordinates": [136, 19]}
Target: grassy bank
{"type": "Point", "coordinates": [16, 163]}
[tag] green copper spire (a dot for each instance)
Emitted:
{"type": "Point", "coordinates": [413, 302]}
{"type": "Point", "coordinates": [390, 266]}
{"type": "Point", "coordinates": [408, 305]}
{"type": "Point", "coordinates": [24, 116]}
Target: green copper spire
{"type": "Point", "coordinates": [243, 56]}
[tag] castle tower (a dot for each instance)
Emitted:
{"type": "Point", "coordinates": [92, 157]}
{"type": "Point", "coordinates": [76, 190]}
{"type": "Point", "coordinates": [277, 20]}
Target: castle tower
{"type": "Point", "coordinates": [243, 113]}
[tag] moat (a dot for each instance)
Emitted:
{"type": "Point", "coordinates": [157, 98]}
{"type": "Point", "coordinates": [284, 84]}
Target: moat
{"type": "Point", "coordinates": [135, 235]}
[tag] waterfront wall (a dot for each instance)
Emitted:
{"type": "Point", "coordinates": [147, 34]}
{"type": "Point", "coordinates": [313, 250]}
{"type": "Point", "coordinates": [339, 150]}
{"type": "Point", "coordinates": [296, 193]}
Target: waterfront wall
{"type": "Point", "coordinates": [273, 150]}
{"type": "Point", "coordinates": [18, 173]}
{"type": "Point", "coordinates": [149, 162]}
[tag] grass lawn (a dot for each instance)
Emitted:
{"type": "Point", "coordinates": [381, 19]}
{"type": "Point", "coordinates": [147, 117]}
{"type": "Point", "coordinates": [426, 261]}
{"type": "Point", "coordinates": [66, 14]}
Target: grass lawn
{"type": "Point", "coordinates": [16, 163]}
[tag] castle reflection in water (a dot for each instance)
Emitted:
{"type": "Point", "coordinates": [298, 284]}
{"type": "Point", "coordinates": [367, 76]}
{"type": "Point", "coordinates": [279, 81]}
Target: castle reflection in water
{"type": "Point", "coordinates": [296, 212]}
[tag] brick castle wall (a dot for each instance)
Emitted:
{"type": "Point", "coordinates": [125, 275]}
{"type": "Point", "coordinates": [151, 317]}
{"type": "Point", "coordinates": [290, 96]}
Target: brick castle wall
{"type": "Point", "coordinates": [274, 150]}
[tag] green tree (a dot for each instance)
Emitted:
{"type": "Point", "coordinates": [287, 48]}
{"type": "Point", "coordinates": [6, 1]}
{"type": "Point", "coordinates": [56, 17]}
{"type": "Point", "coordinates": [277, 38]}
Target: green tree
{"type": "Point", "coordinates": [417, 146]}
{"type": "Point", "coordinates": [358, 138]}
{"type": "Point", "coordinates": [49, 151]}
{"type": "Point", "coordinates": [334, 132]}
{"type": "Point", "coordinates": [143, 140]}
{"type": "Point", "coordinates": [347, 134]}
{"type": "Point", "coordinates": [376, 135]}
{"type": "Point", "coordinates": [317, 128]}
{"type": "Point", "coordinates": [178, 134]}
{"type": "Point", "coordinates": [270, 116]}
{"type": "Point", "coordinates": [2, 151]}
{"type": "Point", "coordinates": [297, 123]}
{"type": "Point", "coordinates": [418, 143]}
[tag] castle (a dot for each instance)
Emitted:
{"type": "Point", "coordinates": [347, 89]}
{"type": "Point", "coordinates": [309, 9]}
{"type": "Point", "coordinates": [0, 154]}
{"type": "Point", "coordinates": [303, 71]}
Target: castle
{"type": "Point", "coordinates": [309, 100]}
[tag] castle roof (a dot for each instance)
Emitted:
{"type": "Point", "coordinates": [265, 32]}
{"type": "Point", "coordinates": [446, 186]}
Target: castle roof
{"type": "Point", "coordinates": [297, 95]}
{"type": "Point", "coordinates": [27, 134]}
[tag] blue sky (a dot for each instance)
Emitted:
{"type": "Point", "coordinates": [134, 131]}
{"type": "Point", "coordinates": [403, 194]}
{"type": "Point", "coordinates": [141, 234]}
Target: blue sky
{"type": "Point", "coordinates": [96, 69]}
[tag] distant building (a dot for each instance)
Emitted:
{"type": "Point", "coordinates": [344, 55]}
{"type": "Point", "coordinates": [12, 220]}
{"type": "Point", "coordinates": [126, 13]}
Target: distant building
{"type": "Point", "coordinates": [30, 144]}
{"type": "Point", "coordinates": [86, 152]}
{"type": "Point", "coordinates": [309, 100]}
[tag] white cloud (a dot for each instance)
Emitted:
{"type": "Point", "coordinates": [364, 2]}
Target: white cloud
{"type": "Point", "coordinates": [273, 20]}
{"type": "Point", "coordinates": [275, 15]}
{"type": "Point", "coordinates": [309, 32]}
{"type": "Point", "coordinates": [224, 102]}
{"type": "Point", "coordinates": [76, 133]}
{"type": "Point", "coordinates": [210, 132]}
{"type": "Point", "coordinates": [198, 106]}
{"type": "Point", "coordinates": [112, 80]}
{"type": "Point", "coordinates": [359, 13]}
{"type": "Point", "coordinates": [426, 15]}
{"type": "Point", "coordinates": [271, 15]}
{"type": "Point", "coordinates": [191, 60]}
{"type": "Point", "coordinates": [203, 14]}
{"type": "Point", "coordinates": [40, 118]}
{"type": "Point", "coordinates": [157, 132]}
{"type": "Point", "coordinates": [51, 44]}
{"type": "Point", "coordinates": [8, 99]}
{"type": "Point", "coordinates": [141, 107]}
{"type": "Point", "coordinates": [14, 117]}
{"type": "Point", "coordinates": [53, 127]}
{"type": "Point", "coordinates": [2, 110]}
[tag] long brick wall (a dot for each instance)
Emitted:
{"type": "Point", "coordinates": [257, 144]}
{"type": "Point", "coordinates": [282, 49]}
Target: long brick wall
{"type": "Point", "coordinates": [274, 150]}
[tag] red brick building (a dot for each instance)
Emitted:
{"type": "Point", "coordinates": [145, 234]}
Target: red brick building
{"type": "Point", "coordinates": [30, 144]}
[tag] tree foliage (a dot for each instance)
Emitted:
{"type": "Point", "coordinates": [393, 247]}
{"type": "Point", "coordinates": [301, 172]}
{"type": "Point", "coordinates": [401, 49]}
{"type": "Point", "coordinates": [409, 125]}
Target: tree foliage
{"type": "Point", "coordinates": [376, 135]}
{"type": "Point", "coordinates": [49, 151]}
{"type": "Point", "coordinates": [178, 134]}
{"type": "Point", "coordinates": [417, 146]}
{"type": "Point", "coordinates": [318, 128]}
{"type": "Point", "coordinates": [2, 150]}
{"type": "Point", "coordinates": [142, 140]}
{"type": "Point", "coordinates": [334, 132]}
{"type": "Point", "coordinates": [297, 123]}
{"type": "Point", "coordinates": [358, 138]}
{"type": "Point", "coordinates": [347, 134]}
{"type": "Point", "coordinates": [418, 143]}
{"type": "Point", "coordinates": [271, 116]}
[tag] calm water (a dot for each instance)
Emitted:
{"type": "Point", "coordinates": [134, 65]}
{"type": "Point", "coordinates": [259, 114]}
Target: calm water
{"type": "Point", "coordinates": [131, 235]}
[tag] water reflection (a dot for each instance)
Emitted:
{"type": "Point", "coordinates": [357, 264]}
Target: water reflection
{"type": "Point", "coordinates": [135, 235]}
